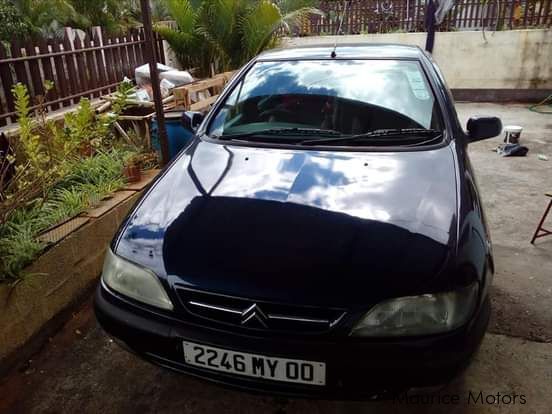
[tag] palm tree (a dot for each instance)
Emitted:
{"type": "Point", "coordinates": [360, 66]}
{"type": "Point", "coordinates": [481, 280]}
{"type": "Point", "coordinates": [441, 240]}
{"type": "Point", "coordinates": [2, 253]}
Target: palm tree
{"type": "Point", "coordinates": [112, 15]}
{"type": "Point", "coordinates": [224, 34]}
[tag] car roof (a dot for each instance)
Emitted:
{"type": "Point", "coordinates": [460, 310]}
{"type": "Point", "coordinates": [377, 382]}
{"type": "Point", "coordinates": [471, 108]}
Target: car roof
{"type": "Point", "coordinates": [345, 50]}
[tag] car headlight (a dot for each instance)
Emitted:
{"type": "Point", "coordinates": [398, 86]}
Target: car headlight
{"type": "Point", "coordinates": [134, 281]}
{"type": "Point", "coordinates": [419, 315]}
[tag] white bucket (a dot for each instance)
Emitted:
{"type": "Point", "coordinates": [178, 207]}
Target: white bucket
{"type": "Point", "coordinates": [512, 134]}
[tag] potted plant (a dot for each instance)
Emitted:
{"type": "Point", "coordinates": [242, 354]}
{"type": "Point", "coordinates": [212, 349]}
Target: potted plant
{"type": "Point", "coordinates": [86, 149]}
{"type": "Point", "coordinates": [132, 170]}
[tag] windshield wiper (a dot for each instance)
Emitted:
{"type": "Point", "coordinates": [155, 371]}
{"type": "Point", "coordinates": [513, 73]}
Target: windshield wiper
{"type": "Point", "coordinates": [279, 132]}
{"type": "Point", "coordinates": [381, 136]}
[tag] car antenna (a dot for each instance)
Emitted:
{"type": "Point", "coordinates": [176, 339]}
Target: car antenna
{"type": "Point", "coordinates": [338, 29]}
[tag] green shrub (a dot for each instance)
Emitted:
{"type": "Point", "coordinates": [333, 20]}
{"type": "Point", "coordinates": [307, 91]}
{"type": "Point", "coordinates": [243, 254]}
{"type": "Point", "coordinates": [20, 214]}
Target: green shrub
{"type": "Point", "coordinates": [52, 178]}
{"type": "Point", "coordinates": [37, 158]}
{"type": "Point", "coordinates": [88, 181]}
{"type": "Point", "coordinates": [13, 24]}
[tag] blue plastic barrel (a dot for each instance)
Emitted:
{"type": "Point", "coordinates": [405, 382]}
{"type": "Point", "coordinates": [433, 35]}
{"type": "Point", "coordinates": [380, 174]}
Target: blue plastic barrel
{"type": "Point", "coordinates": [177, 135]}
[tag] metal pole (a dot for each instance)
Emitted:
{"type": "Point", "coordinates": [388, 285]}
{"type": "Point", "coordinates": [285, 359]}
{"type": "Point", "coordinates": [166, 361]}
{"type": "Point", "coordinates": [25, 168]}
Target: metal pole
{"type": "Point", "coordinates": [154, 76]}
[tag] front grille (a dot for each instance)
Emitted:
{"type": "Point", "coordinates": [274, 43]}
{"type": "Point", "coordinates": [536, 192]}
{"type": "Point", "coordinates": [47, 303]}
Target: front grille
{"type": "Point", "coordinates": [258, 315]}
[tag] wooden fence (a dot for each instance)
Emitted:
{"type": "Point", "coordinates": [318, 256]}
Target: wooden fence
{"type": "Point", "coordinates": [87, 66]}
{"type": "Point", "coordinates": [383, 16]}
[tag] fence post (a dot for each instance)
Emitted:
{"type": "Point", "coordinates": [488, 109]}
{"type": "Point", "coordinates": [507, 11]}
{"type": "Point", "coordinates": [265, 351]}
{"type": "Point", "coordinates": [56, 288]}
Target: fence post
{"type": "Point", "coordinates": [103, 77]}
{"type": "Point", "coordinates": [48, 70]}
{"type": "Point", "coordinates": [7, 80]}
{"type": "Point", "coordinates": [70, 63]}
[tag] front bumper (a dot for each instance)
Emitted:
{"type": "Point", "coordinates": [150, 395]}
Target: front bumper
{"type": "Point", "coordinates": [356, 368]}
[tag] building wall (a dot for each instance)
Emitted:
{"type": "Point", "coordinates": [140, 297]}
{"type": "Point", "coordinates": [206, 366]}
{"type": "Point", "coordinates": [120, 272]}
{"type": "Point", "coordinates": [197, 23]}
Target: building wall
{"type": "Point", "coordinates": [506, 64]}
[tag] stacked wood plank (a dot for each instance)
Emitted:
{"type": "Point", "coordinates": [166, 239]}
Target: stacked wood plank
{"type": "Point", "coordinates": [200, 95]}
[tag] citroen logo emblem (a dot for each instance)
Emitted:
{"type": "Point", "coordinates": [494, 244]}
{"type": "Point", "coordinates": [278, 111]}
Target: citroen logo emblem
{"type": "Point", "coordinates": [254, 314]}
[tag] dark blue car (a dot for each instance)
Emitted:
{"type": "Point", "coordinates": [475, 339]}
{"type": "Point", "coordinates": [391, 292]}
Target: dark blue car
{"type": "Point", "coordinates": [321, 235]}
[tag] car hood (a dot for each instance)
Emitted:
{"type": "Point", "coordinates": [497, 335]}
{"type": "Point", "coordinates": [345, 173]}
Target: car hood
{"type": "Point", "coordinates": [314, 227]}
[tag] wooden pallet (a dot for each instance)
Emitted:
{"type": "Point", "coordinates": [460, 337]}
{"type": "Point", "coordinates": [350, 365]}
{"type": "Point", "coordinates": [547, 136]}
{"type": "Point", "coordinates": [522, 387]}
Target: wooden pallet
{"type": "Point", "coordinates": [200, 95]}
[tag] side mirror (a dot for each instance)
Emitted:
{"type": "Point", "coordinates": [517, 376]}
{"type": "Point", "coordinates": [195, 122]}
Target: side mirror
{"type": "Point", "coordinates": [191, 120]}
{"type": "Point", "coordinates": [483, 127]}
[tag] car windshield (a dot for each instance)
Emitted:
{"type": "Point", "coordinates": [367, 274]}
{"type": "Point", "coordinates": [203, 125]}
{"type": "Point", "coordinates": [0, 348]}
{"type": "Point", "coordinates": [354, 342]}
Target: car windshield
{"type": "Point", "coordinates": [329, 98]}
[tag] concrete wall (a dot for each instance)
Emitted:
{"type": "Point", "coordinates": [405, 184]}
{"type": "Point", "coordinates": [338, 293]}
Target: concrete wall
{"type": "Point", "coordinates": [170, 56]}
{"type": "Point", "coordinates": [517, 61]}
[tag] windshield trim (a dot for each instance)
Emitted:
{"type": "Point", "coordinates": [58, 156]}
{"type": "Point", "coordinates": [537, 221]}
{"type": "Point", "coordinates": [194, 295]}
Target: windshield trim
{"type": "Point", "coordinates": [447, 136]}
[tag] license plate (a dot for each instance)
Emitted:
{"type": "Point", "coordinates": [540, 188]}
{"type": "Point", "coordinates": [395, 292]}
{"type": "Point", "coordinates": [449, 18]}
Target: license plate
{"type": "Point", "coordinates": [254, 365]}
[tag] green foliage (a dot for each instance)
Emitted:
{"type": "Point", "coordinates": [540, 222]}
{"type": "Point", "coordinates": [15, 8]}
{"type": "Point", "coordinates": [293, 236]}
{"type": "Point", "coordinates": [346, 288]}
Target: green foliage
{"type": "Point", "coordinates": [116, 16]}
{"type": "Point", "coordinates": [83, 128]}
{"type": "Point", "coordinates": [227, 33]}
{"type": "Point", "coordinates": [35, 169]}
{"type": "Point", "coordinates": [17, 246]}
{"type": "Point", "coordinates": [52, 178]}
{"type": "Point", "coordinates": [42, 153]}
{"type": "Point", "coordinates": [159, 11]}
{"type": "Point", "coordinates": [46, 17]}
{"type": "Point", "coordinates": [88, 181]}
{"type": "Point", "coordinates": [13, 23]}
{"type": "Point", "coordinates": [113, 15]}
{"type": "Point", "coordinates": [124, 90]}
{"type": "Point", "coordinates": [103, 168]}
